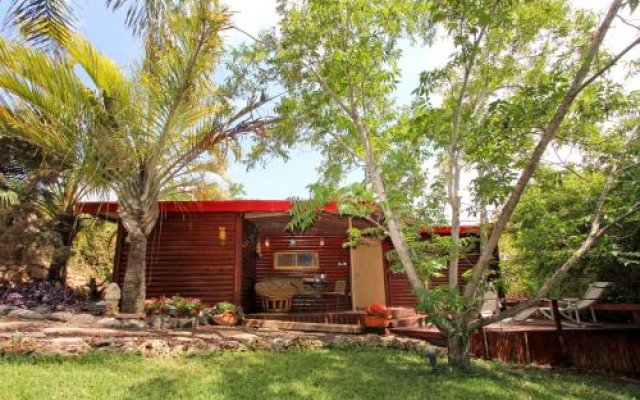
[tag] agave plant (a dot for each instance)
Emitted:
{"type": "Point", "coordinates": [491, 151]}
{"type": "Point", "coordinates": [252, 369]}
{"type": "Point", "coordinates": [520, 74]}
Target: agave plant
{"type": "Point", "coordinates": [138, 133]}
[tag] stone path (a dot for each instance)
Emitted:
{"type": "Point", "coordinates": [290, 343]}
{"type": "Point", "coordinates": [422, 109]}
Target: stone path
{"type": "Point", "coordinates": [21, 336]}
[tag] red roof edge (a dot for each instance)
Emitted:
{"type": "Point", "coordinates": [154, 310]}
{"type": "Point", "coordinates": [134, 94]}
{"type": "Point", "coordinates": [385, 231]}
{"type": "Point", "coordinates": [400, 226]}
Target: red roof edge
{"type": "Point", "coordinates": [205, 206]}
{"type": "Point", "coordinates": [446, 230]}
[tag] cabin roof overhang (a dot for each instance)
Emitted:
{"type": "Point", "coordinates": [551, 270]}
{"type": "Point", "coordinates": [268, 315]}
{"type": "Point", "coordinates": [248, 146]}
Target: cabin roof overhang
{"type": "Point", "coordinates": [251, 209]}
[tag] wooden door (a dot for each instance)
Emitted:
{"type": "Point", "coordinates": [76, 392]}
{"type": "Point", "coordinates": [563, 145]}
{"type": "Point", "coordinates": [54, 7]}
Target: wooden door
{"type": "Point", "coordinates": [367, 275]}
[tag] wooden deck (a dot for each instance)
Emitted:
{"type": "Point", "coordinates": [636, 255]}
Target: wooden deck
{"type": "Point", "coordinates": [603, 347]}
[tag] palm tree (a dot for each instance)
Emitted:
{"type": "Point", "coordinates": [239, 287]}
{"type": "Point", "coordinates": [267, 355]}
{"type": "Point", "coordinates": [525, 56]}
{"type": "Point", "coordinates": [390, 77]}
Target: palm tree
{"type": "Point", "coordinates": [141, 132]}
{"type": "Point", "coordinates": [51, 21]}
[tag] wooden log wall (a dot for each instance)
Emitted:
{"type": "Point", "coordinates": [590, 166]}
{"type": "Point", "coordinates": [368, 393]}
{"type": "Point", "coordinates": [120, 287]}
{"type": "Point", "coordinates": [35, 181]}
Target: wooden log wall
{"type": "Point", "coordinates": [185, 256]}
{"type": "Point", "coordinates": [398, 288]}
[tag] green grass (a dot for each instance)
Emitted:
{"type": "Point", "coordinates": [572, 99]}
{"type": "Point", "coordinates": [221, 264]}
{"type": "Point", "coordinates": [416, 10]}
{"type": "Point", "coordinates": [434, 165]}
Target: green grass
{"type": "Point", "coordinates": [328, 374]}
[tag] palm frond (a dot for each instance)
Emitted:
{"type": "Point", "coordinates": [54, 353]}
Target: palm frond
{"type": "Point", "coordinates": [42, 21]}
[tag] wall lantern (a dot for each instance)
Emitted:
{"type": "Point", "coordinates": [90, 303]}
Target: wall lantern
{"type": "Point", "coordinates": [292, 243]}
{"type": "Point", "coordinates": [222, 234]}
{"type": "Point", "coordinates": [266, 243]}
{"type": "Point", "coordinates": [321, 241]}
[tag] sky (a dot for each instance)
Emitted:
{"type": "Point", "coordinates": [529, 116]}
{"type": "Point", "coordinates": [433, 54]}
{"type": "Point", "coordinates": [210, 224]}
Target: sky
{"type": "Point", "coordinates": [279, 179]}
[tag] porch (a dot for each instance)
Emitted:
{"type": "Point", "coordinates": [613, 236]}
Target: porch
{"type": "Point", "coordinates": [308, 276]}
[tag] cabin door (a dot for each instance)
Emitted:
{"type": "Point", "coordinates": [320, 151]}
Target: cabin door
{"type": "Point", "coordinates": [367, 274]}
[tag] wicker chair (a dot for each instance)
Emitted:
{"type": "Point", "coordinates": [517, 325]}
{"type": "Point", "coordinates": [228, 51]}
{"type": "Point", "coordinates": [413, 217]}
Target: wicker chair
{"type": "Point", "coordinates": [276, 295]}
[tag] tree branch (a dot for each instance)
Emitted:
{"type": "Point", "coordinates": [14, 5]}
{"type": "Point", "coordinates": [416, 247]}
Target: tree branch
{"type": "Point", "coordinates": [534, 160]}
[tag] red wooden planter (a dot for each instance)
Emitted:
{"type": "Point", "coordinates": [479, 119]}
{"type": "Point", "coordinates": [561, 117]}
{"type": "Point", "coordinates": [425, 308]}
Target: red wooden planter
{"type": "Point", "coordinates": [376, 322]}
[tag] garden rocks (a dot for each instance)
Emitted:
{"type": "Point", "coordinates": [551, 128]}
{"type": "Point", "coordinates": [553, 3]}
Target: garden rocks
{"type": "Point", "coordinates": [82, 319]}
{"type": "Point", "coordinates": [5, 309]}
{"type": "Point", "coordinates": [133, 324]}
{"type": "Point", "coordinates": [25, 314]}
{"type": "Point", "coordinates": [155, 348]}
{"type": "Point", "coordinates": [109, 323]}
{"type": "Point", "coordinates": [116, 335]}
{"type": "Point", "coordinates": [65, 346]}
{"type": "Point", "coordinates": [62, 316]}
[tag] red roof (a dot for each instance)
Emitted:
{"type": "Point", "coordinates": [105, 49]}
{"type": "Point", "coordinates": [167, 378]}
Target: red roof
{"type": "Point", "coordinates": [237, 206]}
{"type": "Point", "coordinates": [202, 206]}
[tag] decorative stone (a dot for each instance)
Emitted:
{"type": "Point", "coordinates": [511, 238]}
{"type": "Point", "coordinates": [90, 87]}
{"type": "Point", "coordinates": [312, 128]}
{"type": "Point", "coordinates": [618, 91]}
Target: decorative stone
{"type": "Point", "coordinates": [6, 309]}
{"type": "Point", "coordinates": [155, 347]}
{"type": "Point", "coordinates": [25, 314]}
{"type": "Point", "coordinates": [109, 323]}
{"type": "Point", "coordinates": [82, 319]}
{"type": "Point", "coordinates": [112, 299]}
{"type": "Point", "coordinates": [133, 324]}
{"type": "Point", "coordinates": [62, 316]}
{"type": "Point", "coordinates": [42, 309]}
{"type": "Point", "coordinates": [65, 346]}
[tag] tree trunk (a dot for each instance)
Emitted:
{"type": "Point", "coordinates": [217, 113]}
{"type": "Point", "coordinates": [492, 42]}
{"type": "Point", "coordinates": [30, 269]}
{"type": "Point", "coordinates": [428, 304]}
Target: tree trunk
{"type": "Point", "coordinates": [134, 288]}
{"type": "Point", "coordinates": [459, 351]}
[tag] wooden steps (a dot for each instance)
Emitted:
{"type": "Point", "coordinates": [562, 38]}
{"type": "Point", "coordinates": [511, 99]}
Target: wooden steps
{"type": "Point", "coordinates": [403, 317]}
{"type": "Point", "coordinates": [302, 326]}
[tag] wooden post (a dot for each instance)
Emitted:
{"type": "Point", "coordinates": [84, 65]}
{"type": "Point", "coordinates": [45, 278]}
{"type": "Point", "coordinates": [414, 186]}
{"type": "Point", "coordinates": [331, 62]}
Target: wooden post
{"type": "Point", "coordinates": [237, 265]}
{"type": "Point", "coordinates": [557, 318]}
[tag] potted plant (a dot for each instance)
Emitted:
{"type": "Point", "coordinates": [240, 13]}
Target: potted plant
{"type": "Point", "coordinates": [186, 310]}
{"type": "Point", "coordinates": [225, 313]}
{"type": "Point", "coordinates": [156, 309]}
{"type": "Point", "coordinates": [376, 316]}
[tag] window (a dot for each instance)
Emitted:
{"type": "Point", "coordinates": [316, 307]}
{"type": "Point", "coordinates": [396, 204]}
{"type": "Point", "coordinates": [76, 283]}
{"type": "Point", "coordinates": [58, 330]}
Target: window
{"type": "Point", "coordinates": [296, 260]}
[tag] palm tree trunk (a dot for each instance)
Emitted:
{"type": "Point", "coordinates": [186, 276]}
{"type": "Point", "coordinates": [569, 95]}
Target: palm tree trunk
{"type": "Point", "coordinates": [66, 229]}
{"type": "Point", "coordinates": [134, 289]}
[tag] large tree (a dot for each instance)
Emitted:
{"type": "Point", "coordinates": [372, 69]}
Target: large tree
{"type": "Point", "coordinates": [339, 65]}
{"type": "Point", "coordinates": [141, 132]}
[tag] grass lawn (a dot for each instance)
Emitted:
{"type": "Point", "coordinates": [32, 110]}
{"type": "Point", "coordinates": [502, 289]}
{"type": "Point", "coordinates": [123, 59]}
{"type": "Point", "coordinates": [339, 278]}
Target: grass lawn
{"type": "Point", "coordinates": [328, 374]}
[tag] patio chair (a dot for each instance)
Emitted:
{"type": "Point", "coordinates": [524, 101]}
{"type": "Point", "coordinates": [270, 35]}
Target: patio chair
{"type": "Point", "coordinates": [490, 304]}
{"type": "Point", "coordinates": [570, 308]}
{"type": "Point", "coordinates": [339, 291]}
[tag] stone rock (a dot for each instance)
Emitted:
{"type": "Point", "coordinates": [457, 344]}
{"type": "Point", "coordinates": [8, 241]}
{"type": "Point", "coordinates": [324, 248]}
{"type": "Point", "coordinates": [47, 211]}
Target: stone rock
{"type": "Point", "coordinates": [6, 309]}
{"type": "Point", "coordinates": [62, 316]}
{"type": "Point", "coordinates": [155, 348]}
{"type": "Point", "coordinates": [112, 298]}
{"type": "Point", "coordinates": [42, 309]}
{"type": "Point", "coordinates": [82, 319]}
{"type": "Point", "coordinates": [309, 342]}
{"type": "Point", "coordinates": [26, 314]}
{"type": "Point", "coordinates": [233, 345]}
{"type": "Point", "coordinates": [184, 323]}
{"type": "Point", "coordinates": [133, 324]}
{"type": "Point", "coordinates": [341, 341]}
{"type": "Point", "coordinates": [109, 322]}
{"type": "Point", "coordinates": [65, 346]}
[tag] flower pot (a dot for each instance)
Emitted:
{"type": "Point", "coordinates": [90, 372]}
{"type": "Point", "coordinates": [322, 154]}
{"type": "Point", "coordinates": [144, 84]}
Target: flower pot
{"type": "Point", "coordinates": [376, 322]}
{"type": "Point", "coordinates": [226, 319]}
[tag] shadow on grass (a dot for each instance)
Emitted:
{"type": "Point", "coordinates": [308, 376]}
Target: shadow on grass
{"type": "Point", "coordinates": [325, 374]}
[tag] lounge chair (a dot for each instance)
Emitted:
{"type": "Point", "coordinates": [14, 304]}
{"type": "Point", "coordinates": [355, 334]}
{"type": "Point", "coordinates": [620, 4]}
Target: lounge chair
{"type": "Point", "coordinates": [490, 305]}
{"type": "Point", "coordinates": [570, 308]}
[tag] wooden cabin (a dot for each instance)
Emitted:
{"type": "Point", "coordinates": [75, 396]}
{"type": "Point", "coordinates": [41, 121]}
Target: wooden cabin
{"type": "Point", "coordinates": [219, 250]}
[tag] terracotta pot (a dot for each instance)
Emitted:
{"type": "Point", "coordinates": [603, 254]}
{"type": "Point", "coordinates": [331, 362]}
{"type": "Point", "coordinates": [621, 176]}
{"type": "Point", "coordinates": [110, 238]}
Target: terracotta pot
{"type": "Point", "coordinates": [227, 319]}
{"type": "Point", "coordinates": [376, 322]}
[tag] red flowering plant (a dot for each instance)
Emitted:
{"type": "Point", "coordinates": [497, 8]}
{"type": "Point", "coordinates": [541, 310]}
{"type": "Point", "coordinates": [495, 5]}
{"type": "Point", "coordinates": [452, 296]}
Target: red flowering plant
{"type": "Point", "coordinates": [186, 306]}
{"type": "Point", "coordinates": [176, 305]}
{"type": "Point", "coordinates": [157, 305]}
{"type": "Point", "coordinates": [376, 310]}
